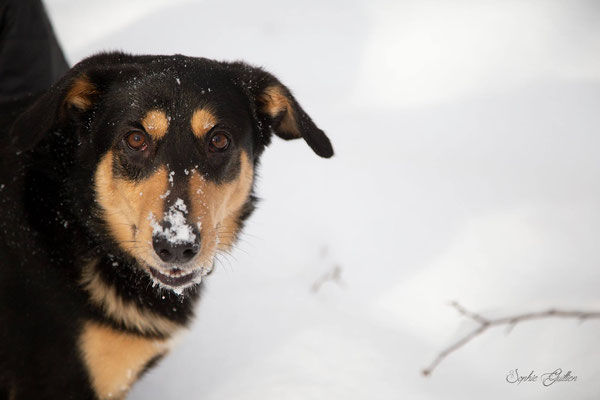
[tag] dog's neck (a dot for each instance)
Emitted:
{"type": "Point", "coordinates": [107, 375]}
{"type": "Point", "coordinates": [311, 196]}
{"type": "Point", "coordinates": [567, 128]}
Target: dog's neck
{"type": "Point", "coordinates": [124, 296]}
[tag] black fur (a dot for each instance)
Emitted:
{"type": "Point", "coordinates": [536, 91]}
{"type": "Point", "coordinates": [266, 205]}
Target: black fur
{"type": "Point", "coordinates": [51, 225]}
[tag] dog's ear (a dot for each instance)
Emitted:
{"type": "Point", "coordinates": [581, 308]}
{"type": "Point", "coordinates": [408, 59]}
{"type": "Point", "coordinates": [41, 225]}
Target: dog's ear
{"type": "Point", "coordinates": [277, 108]}
{"type": "Point", "coordinates": [73, 95]}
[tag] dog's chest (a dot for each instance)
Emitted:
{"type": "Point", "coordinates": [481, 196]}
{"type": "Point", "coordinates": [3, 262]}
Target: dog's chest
{"type": "Point", "coordinates": [114, 359]}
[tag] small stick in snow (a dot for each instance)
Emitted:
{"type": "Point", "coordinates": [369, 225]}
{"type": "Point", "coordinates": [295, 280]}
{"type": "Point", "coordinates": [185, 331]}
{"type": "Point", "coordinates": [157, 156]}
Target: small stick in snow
{"type": "Point", "coordinates": [335, 275]}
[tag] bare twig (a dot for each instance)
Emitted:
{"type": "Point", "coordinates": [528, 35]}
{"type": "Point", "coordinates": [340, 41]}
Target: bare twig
{"type": "Point", "coordinates": [510, 321]}
{"type": "Point", "coordinates": [335, 275]}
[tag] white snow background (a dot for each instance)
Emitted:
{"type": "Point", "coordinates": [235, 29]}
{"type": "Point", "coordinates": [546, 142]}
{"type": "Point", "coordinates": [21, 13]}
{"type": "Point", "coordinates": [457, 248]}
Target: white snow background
{"type": "Point", "coordinates": [466, 168]}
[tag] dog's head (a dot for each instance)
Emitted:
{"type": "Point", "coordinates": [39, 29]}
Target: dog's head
{"type": "Point", "coordinates": [171, 144]}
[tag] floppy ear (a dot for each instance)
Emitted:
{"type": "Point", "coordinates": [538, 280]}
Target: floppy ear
{"type": "Point", "coordinates": [276, 107]}
{"type": "Point", "coordinates": [74, 94]}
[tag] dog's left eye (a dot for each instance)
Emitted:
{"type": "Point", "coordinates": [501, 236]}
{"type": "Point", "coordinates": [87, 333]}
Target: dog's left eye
{"type": "Point", "coordinates": [136, 141]}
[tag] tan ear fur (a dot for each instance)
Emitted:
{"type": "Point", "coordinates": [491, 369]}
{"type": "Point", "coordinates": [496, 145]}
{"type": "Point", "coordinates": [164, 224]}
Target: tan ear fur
{"type": "Point", "coordinates": [80, 94]}
{"type": "Point", "coordinates": [276, 104]}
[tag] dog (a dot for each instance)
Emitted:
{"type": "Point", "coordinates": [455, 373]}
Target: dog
{"type": "Point", "coordinates": [118, 186]}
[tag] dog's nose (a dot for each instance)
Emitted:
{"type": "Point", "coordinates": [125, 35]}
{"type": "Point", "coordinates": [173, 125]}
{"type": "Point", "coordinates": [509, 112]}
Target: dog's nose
{"type": "Point", "coordinates": [175, 252]}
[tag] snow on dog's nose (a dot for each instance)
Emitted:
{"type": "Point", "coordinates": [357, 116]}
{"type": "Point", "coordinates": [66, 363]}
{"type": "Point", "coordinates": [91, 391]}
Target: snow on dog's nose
{"type": "Point", "coordinates": [173, 239]}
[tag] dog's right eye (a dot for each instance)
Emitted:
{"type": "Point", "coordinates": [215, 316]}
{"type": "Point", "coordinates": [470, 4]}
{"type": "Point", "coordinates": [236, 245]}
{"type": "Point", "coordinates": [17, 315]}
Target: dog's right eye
{"type": "Point", "coordinates": [219, 142]}
{"type": "Point", "coordinates": [136, 140]}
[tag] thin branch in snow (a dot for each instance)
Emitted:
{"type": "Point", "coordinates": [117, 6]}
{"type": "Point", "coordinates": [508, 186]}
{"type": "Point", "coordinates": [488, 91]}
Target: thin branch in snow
{"type": "Point", "coordinates": [335, 275]}
{"type": "Point", "coordinates": [510, 322]}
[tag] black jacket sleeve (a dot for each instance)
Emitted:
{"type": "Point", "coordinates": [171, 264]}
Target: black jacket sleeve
{"type": "Point", "coordinates": [31, 59]}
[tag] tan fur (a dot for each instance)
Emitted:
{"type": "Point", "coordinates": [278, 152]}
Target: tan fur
{"type": "Point", "coordinates": [203, 120]}
{"type": "Point", "coordinates": [156, 124]}
{"type": "Point", "coordinates": [274, 102]}
{"type": "Point", "coordinates": [218, 206]}
{"type": "Point", "coordinates": [127, 206]}
{"type": "Point", "coordinates": [105, 296]}
{"type": "Point", "coordinates": [79, 94]}
{"type": "Point", "coordinates": [114, 359]}
{"type": "Point", "coordinates": [12, 393]}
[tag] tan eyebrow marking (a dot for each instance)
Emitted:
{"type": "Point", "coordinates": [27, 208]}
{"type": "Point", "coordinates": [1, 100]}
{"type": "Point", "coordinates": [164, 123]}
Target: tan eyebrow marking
{"type": "Point", "coordinates": [202, 121]}
{"type": "Point", "coordinates": [156, 123]}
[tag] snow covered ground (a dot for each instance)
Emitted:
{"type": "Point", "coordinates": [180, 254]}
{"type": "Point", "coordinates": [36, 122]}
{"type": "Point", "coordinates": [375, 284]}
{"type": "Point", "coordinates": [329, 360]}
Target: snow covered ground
{"type": "Point", "coordinates": [466, 168]}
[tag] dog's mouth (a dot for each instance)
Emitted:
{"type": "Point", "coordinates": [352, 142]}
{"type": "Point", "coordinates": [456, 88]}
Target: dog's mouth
{"type": "Point", "coordinates": [175, 277]}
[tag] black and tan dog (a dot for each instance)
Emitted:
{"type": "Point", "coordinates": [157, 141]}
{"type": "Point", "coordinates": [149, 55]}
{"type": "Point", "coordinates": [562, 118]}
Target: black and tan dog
{"type": "Point", "coordinates": [117, 188]}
